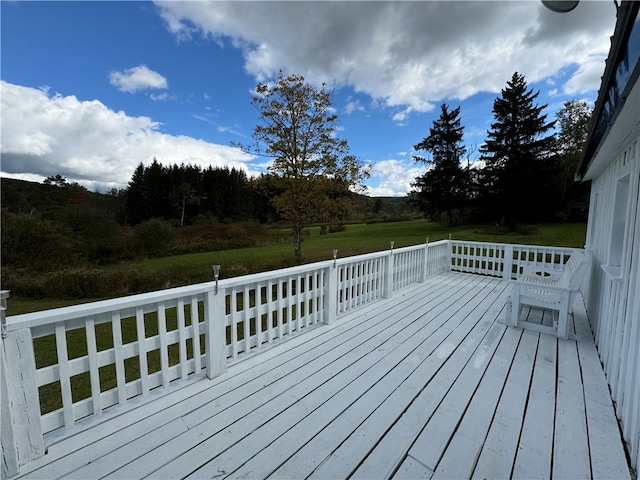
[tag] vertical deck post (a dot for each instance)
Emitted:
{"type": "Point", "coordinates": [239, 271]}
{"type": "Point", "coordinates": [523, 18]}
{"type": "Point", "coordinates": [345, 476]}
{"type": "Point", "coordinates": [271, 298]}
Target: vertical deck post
{"type": "Point", "coordinates": [425, 266]}
{"type": "Point", "coordinates": [388, 289]}
{"type": "Point", "coordinates": [214, 315]}
{"type": "Point", "coordinates": [331, 294]}
{"type": "Point", "coordinates": [20, 407]}
{"type": "Point", "coordinates": [507, 265]}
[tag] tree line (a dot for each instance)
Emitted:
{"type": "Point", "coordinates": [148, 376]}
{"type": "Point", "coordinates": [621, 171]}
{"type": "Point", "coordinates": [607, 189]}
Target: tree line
{"type": "Point", "coordinates": [527, 175]}
{"type": "Point", "coordinates": [188, 194]}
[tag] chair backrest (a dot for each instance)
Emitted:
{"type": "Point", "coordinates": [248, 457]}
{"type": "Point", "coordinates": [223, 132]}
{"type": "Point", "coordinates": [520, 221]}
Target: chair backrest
{"type": "Point", "coordinates": [574, 271]}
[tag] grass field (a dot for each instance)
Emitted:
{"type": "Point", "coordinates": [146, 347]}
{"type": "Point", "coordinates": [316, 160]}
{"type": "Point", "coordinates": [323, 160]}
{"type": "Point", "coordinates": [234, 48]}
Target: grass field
{"type": "Point", "coordinates": [356, 239]}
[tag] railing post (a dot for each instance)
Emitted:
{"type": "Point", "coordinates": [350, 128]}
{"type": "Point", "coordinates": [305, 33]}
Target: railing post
{"type": "Point", "coordinates": [388, 290]}
{"type": "Point", "coordinates": [331, 294]}
{"type": "Point", "coordinates": [507, 263]}
{"type": "Point", "coordinates": [425, 267]}
{"type": "Point", "coordinates": [4, 295]}
{"type": "Point", "coordinates": [19, 402]}
{"type": "Point", "coordinates": [214, 317]}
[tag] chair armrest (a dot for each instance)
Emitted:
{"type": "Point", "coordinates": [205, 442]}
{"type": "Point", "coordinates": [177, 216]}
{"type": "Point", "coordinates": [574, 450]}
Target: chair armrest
{"type": "Point", "coordinates": [528, 283]}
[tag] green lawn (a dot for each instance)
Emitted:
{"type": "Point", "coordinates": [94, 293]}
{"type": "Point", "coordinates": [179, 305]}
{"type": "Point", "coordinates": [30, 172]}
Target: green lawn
{"type": "Point", "coordinates": [356, 239]}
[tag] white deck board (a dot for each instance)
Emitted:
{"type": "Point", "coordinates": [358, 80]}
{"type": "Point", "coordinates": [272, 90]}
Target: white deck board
{"type": "Point", "coordinates": [472, 431]}
{"type": "Point", "coordinates": [571, 445]}
{"type": "Point", "coordinates": [536, 440]}
{"type": "Point", "coordinates": [605, 461]}
{"type": "Point", "coordinates": [500, 447]}
{"type": "Point", "coordinates": [423, 385]}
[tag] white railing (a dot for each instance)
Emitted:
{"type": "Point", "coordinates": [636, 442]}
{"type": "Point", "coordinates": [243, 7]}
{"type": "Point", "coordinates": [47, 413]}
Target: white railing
{"type": "Point", "coordinates": [80, 360]}
{"type": "Point", "coordinates": [504, 260]}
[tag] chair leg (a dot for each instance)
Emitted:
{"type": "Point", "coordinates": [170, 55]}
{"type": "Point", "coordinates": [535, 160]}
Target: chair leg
{"type": "Point", "coordinates": [507, 312]}
{"type": "Point", "coordinates": [563, 325]}
{"type": "Point", "coordinates": [514, 313]}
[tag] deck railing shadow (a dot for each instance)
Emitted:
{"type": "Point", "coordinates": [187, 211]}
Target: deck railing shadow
{"type": "Point", "coordinates": [61, 366]}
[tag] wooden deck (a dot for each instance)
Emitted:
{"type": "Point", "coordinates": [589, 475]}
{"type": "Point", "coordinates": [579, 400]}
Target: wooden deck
{"type": "Point", "coordinates": [424, 385]}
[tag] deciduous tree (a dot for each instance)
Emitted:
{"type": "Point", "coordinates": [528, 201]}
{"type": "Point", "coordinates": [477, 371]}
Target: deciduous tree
{"type": "Point", "coordinates": [297, 128]}
{"type": "Point", "coordinates": [573, 119]}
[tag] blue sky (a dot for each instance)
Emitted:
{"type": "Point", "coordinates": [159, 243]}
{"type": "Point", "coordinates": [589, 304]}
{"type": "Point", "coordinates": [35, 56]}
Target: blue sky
{"type": "Point", "coordinates": [91, 89]}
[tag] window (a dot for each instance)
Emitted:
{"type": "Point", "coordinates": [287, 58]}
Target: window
{"type": "Point", "coordinates": [619, 221]}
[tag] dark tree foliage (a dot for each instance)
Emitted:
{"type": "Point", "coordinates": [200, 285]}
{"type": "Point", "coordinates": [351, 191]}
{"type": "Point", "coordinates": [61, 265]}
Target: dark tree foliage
{"type": "Point", "coordinates": [442, 189]}
{"type": "Point", "coordinates": [185, 192]}
{"type": "Point", "coordinates": [31, 241]}
{"type": "Point", "coordinates": [573, 121]}
{"type": "Point", "coordinates": [518, 175]}
{"type": "Point", "coordinates": [56, 193]}
{"type": "Point", "coordinates": [227, 194]}
{"type": "Point", "coordinates": [94, 234]}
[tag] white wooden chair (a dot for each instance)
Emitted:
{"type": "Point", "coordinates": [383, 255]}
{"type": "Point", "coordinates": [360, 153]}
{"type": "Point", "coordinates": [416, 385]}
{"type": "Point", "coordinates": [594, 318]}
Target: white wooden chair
{"type": "Point", "coordinates": [553, 290]}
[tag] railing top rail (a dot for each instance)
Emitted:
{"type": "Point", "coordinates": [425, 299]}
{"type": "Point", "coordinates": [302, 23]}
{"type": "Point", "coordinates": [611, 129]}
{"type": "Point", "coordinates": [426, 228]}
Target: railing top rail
{"type": "Point", "coordinates": [30, 320]}
{"type": "Point", "coordinates": [516, 245]}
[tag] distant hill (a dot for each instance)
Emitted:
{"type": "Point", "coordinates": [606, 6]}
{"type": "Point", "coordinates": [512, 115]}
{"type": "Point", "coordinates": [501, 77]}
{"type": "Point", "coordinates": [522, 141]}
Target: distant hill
{"type": "Point", "coordinates": [43, 199]}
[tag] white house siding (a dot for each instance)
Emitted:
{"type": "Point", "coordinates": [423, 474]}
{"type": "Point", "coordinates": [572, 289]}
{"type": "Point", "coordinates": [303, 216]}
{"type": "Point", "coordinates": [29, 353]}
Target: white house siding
{"type": "Point", "coordinates": [613, 235]}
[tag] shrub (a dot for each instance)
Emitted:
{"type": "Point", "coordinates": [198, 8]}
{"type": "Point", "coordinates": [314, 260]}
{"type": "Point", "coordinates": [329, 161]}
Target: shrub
{"type": "Point", "coordinates": [97, 236]}
{"type": "Point", "coordinates": [154, 235]}
{"type": "Point", "coordinates": [30, 241]}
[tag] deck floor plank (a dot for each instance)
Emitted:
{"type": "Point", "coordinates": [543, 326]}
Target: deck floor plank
{"type": "Point", "coordinates": [472, 431]}
{"type": "Point", "coordinates": [571, 444]}
{"type": "Point", "coordinates": [346, 458]}
{"type": "Point", "coordinates": [499, 451]}
{"type": "Point", "coordinates": [606, 462]}
{"type": "Point", "coordinates": [425, 384]}
{"type": "Point", "coordinates": [535, 447]}
{"type": "Point", "coordinates": [434, 438]}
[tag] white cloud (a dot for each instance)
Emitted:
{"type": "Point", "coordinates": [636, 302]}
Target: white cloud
{"type": "Point", "coordinates": [393, 177]}
{"type": "Point", "coordinates": [406, 54]}
{"type": "Point", "coordinates": [162, 97]}
{"type": "Point", "coordinates": [402, 116]}
{"type": "Point", "coordinates": [353, 106]}
{"type": "Point", "coordinates": [85, 141]}
{"type": "Point", "coordinates": [137, 78]}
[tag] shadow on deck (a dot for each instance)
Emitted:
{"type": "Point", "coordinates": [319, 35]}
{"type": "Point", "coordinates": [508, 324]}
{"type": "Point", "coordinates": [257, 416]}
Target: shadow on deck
{"type": "Point", "coordinates": [424, 385]}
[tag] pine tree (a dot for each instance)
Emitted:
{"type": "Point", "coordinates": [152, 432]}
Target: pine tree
{"type": "Point", "coordinates": [441, 189]}
{"type": "Point", "coordinates": [516, 153]}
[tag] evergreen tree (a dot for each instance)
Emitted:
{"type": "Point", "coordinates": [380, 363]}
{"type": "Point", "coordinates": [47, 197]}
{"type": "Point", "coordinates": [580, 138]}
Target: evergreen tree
{"type": "Point", "coordinates": [516, 152]}
{"type": "Point", "coordinates": [441, 189]}
{"type": "Point", "coordinates": [135, 205]}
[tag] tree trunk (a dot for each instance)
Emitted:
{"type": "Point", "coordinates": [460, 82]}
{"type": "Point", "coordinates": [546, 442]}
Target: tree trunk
{"type": "Point", "coordinates": [184, 206]}
{"type": "Point", "coordinates": [297, 240]}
